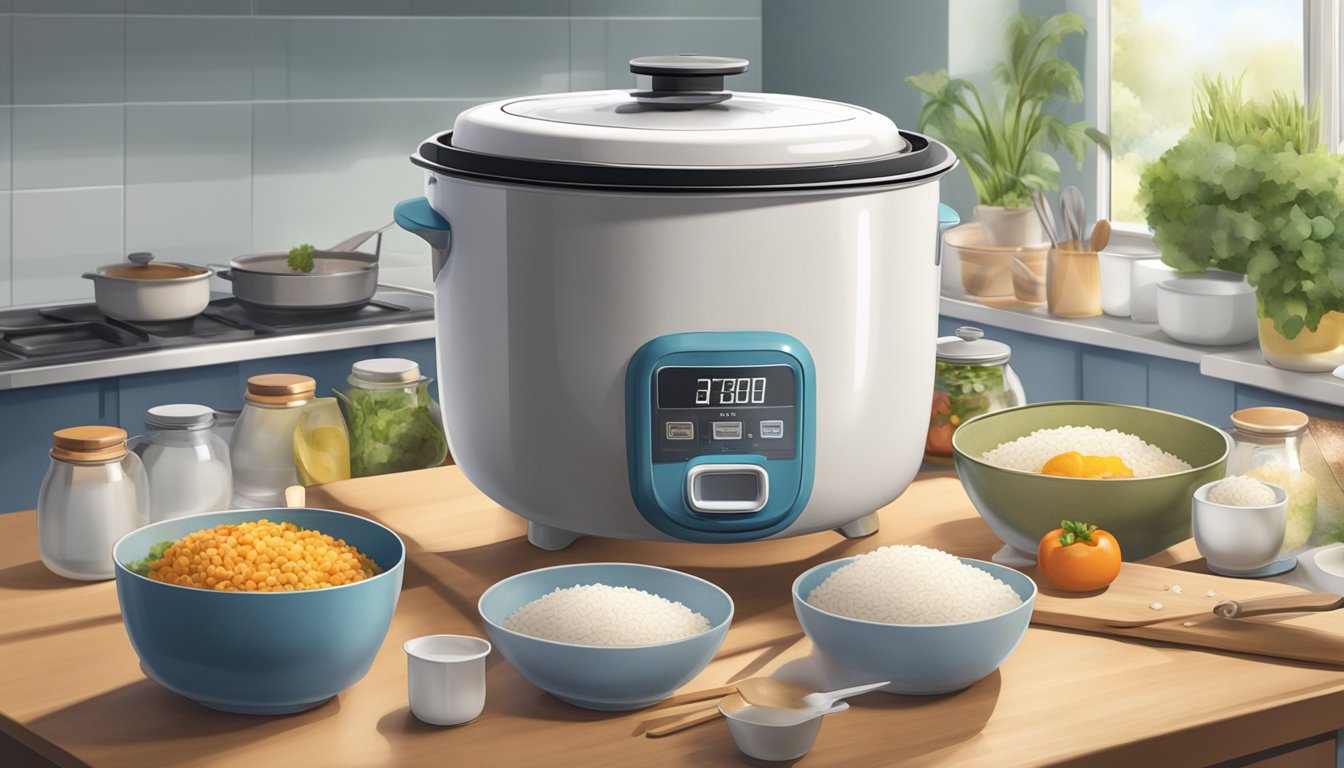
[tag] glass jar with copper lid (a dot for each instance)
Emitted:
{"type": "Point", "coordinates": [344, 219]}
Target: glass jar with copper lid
{"type": "Point", "coordinates": [1268, 446]}
{"type": "Point", "coordinates": [95, 492]}
{"type": "Point", "coordinates": [262, 447]}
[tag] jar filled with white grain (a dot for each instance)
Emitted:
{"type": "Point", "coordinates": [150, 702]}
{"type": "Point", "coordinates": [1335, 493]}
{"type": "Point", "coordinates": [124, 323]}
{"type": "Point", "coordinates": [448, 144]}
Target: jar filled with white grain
{"type": "Point", "coordinates": [262, 447]}
{"type": "Point", "coordinates": [95, 491]}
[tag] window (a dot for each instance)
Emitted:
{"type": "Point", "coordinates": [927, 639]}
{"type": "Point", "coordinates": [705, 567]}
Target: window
{"type": "Point", "coordinates": [1159, 49]}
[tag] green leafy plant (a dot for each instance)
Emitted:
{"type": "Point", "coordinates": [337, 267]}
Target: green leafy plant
{"type": "Point", "coordinates": [1250, 189]}
{"type": "Point", "coordinates": [1001, 139]}
{"type": "Point", "coordinates": [301, 258]}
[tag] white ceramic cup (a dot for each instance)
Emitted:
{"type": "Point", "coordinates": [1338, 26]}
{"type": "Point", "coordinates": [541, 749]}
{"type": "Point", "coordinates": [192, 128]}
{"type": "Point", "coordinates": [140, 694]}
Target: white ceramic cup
{"type": "Point", "coordinates": [1117, 263]}
{"type": "Point", "coordinates": [1144, 276]}
{"type": "Point", "coordinates": [773, 735]}
{"type": "Point", "coordinates": [1238, 539]}
{"type": "Point", "coordinates": [1215, 309]}
{"type": "Point", "coordinates": [445, 677]}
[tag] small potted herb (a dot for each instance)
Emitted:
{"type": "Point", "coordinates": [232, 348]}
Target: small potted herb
{"type": "Point", "coordinates": [1002, 139]}
{"type": "Point", "coordinates": [1250, 189]}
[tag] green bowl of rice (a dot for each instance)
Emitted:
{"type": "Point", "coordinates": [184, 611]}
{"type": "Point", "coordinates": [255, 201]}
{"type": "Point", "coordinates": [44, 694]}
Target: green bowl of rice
{"type": "Point", "coordinates": [998, 457]}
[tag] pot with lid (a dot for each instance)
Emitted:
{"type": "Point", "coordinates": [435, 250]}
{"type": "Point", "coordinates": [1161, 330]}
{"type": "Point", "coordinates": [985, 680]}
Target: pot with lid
{"type": "Point", "coordinates": [682, 312]}
{"type": "Point", "coordinates": [141, 290]}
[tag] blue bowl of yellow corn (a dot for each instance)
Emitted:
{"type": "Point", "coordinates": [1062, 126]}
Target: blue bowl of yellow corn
{"type": "Point", "coordinates": [230, 648]}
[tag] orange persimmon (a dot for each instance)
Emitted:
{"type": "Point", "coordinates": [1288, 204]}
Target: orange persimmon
{"type": "Point", "coordinates": [1078, 557]}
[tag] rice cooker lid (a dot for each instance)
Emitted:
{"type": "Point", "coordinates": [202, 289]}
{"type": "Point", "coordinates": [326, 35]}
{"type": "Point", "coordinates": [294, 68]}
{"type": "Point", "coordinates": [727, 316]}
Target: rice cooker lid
{"type": "Point", "coordinates": [970, 347]}
{"type": "Point", "coordinates": [681, 129]}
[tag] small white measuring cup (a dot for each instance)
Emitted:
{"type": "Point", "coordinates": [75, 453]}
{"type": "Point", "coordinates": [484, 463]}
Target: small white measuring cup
{"type": "Point", "coordinates": [445, 677]}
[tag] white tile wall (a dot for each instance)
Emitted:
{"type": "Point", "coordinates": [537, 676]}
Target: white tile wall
{"type": "Point", "coordinates": [58, 235]}
{"type": "Point", "coordinates": [67, 146]}
{"type": "Point", "coordinates": [203, 129]}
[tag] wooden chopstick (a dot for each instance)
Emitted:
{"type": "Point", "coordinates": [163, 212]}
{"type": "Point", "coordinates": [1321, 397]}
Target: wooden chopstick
{"type": "Point", "coordinates": [704, 695]}
{"type": "Point", "coordinates": [681, 724]}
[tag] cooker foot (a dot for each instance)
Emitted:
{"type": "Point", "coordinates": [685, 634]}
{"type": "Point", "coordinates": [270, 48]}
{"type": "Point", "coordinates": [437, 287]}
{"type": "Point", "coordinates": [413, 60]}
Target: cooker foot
{"type": "Point", "coordinates": [550, 539]}
{"type": "Point", "coordinates": [864, 526]}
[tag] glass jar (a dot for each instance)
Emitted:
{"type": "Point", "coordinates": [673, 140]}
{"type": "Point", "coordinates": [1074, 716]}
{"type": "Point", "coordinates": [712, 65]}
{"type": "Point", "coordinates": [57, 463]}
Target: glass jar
{"type": "Point", "coordinates": [394, 425]}
{"type": "Point", "coordinates": [1267, 445]}
{"type": "Point", "coordinates": [971, 377]}
{"type": "Point", "coordinates": [262, 447]}
{"type": "Point", "coordinates": [186, 462]}
{"type": "Point", "coordinates": [95, 492]}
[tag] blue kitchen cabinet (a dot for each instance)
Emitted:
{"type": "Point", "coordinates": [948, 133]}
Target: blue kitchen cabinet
{"type": "Point", "coordinates": [32, 414]}
{"type": "Point", "coordinates": [1052, 369]}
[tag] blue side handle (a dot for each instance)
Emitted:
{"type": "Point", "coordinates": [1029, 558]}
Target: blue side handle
{"type": "Point", "coordinates": [418, 217]}
{"type": "Point", "coordinates": [947, 219]}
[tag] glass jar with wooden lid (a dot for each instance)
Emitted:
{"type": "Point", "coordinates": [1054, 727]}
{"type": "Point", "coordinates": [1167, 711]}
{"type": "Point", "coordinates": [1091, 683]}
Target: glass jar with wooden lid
{"type": "Point", "coordinates": [1268, 446]}
{"type": "Point", "coordinates": [94, 492]}
{"type": "Point", "coordinates": [262, 447]}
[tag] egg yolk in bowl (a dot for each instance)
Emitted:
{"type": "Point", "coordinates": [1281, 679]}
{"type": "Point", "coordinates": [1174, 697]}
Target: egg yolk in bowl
{"type": "Point", "coordinates": [1074, 464]}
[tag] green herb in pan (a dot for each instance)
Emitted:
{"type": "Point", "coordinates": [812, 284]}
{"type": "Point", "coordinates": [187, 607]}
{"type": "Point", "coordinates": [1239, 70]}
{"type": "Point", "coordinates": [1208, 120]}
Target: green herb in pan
{"type": "Point", "coordinates": [301, 258]}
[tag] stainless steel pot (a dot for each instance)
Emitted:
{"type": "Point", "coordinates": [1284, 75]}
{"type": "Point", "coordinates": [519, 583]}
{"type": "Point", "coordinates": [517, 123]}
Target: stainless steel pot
{"type": "Point", "coordinates": [339, 280]}
{"type": "Point", "coordinates": [140, 292]}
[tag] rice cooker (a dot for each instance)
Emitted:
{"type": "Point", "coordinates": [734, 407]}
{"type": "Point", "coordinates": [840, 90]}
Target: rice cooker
{"type": "Point", "coordinates": [681, 312]}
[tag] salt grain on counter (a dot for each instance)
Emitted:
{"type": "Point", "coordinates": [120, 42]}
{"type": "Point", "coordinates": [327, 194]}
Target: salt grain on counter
{"type": "Point", "coordinates": [1210, 593]}
{"type": "Point", "coordinates": [1157, 606]}
{"type": "Point", "coordinates": [1176, 588]}
{"type": "Point", "coordinates": [1188, 624]}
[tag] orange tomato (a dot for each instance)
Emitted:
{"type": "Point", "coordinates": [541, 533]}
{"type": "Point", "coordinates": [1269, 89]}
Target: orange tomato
{"type": "Point", "coordinates": [1078, 557]}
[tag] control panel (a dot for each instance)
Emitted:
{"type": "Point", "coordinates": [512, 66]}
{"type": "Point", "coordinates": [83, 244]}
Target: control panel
{"type": "Point", "coordinates": [720, 433]}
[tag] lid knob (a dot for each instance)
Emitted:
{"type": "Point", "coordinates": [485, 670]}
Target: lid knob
{"type": "Point", "coordinates": [686, 80]}
{"type": "Point", "coordinates": [969, 333]}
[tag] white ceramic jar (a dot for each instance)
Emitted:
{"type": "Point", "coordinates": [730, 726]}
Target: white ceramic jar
{"type": "Point", "coordinates": [1212, 309]}
{"type": "Point", "coordinates": [1145, 274]}
{"type": "Point", "coordinates": [262, 447]}
{"type": "Point", "coordinates": [186, 462]}
{"type": "Point", "coordinates": [95, 492]}
{"type": "Point", "coordinates": [1117, 264]}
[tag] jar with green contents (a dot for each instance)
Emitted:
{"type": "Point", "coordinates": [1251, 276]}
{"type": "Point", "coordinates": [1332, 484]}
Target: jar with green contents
{"type": "Point", "coordinates": [394, 425]}
{"type": "Point", "coordinates": [1267, 445]}
{"type": "Point", "coordinates": [971, 376]}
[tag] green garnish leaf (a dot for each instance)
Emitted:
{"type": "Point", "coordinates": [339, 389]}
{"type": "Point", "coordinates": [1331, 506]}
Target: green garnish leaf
{"type": "Point", "coordinates": [301, 258]}
{"type": "Point", "coordinates": [1075, 532]}
{"type": "Point", "coordinates": [155, 555]}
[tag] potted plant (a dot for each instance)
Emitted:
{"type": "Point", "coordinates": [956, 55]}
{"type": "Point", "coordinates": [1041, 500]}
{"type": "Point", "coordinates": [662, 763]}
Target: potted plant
{"type": "Point", "coordinates": [1001, 139]}
{"type": "Point", "coordinates": [1250, 189]}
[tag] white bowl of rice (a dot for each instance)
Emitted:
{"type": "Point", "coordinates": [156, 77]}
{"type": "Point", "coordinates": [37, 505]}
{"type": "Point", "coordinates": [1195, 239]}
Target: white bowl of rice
{"type": "Point", "coordinates": [928, 621]}
{"type": "Point", "coordinates": [607, 636]}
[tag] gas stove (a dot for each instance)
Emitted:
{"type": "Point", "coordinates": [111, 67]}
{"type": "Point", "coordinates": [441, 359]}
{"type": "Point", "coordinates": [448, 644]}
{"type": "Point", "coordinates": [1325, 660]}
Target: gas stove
{"type": "Point", "coordinates": [41, 337]}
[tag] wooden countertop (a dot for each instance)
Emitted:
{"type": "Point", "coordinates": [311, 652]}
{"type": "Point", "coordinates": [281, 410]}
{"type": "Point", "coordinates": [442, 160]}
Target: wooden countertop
{"type": "Point", "coordinates": [71, 690]}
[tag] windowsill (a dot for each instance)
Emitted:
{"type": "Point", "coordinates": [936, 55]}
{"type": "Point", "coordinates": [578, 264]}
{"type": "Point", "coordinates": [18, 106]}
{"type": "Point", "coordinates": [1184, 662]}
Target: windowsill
{"type": "Point", "coordinates": [1241, 364]}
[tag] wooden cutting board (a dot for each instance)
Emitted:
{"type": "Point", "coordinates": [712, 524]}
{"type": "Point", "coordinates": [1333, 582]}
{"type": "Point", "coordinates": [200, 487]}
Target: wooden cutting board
{"type": "Point", "coordinates": [1125, 609]}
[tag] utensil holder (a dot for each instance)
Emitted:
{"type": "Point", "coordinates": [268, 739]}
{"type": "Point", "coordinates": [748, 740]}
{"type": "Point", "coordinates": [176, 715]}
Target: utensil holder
{"type": "Point", "coordinates": [1073, 282]}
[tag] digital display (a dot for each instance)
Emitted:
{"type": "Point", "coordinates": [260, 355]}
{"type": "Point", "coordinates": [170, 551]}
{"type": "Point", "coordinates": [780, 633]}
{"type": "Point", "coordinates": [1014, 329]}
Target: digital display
{"type": "Point", "coordinates": [724, 386]}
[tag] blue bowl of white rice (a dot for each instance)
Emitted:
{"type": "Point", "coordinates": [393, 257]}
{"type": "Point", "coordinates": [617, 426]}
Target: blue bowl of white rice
{"type": "Point", "coordinates": [607, 636]}
{"type": "Point", "coordinates": [926, 620]}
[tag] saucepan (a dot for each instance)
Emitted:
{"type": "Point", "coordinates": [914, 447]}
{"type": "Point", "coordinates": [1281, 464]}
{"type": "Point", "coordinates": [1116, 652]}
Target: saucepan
{"type": "Point", "coordinates": [342, 278]}
{"type": "Point", "coordinates": [139, 292]}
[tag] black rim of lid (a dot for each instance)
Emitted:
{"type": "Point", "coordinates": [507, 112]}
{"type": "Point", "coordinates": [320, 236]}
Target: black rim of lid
{"type": "Point", "coordinates": [923, 159]}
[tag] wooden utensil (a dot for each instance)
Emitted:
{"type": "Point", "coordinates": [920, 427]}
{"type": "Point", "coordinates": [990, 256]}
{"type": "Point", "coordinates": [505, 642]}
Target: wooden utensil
{"type": "Point", "coordinates": [1101, 235]}
{"type": "Point", "coordinates": [702, 695]}
{"type": "Point", "coordinates": [1125, 609]}
{"type": "Point", "coordinates": [682, 723]}
{"type": "Point", "coordinates": [1303, 603]}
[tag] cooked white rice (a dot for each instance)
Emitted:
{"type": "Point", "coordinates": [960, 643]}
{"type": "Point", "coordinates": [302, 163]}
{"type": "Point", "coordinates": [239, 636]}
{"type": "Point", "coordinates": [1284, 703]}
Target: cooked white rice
{"type": "Point", "coordinates": [1241, 491]}
{"type": "Point", "coordinates": [597, 614]}
{"type": "Point", "coordinates": [1029, 454]}
{"type": "Point", "coordinates": [912, 585]}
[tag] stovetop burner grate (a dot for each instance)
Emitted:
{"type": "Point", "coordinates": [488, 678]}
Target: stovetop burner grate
{"type": "Point", "coordinates": [32, 336]}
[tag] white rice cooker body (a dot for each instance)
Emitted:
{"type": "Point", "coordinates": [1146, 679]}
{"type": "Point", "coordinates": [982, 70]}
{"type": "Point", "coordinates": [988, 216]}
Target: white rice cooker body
{"type": "Point", "coordinates": [549, 290]}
